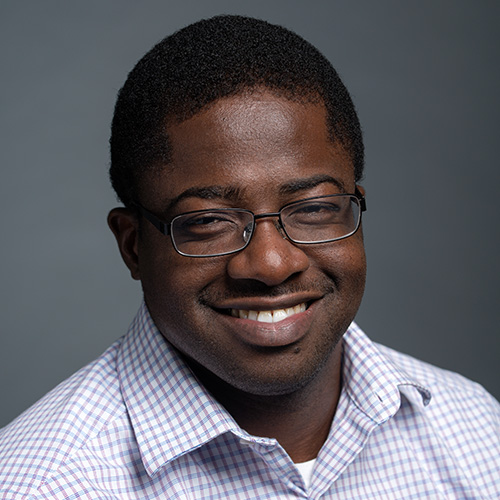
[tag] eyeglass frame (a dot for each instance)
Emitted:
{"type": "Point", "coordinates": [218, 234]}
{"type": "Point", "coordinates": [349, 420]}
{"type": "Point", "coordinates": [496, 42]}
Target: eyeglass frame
{"type": "Point", "coordinates": [165, 228]}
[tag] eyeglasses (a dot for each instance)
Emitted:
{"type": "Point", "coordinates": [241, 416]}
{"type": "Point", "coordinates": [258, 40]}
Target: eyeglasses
{"type": "Point", "coordinates": [223, 231]}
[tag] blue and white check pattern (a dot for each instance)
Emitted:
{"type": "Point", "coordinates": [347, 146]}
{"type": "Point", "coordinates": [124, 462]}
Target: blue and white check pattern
{"type": "Point", "coordinates": [136, 424]}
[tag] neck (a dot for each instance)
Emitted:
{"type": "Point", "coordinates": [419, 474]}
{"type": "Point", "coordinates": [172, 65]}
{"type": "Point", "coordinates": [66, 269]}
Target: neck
{"type": "Point", "coordinates": [299, 421]}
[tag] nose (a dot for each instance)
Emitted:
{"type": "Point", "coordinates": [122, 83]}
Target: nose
{"type": "Point", "coordinates": [268, 258]}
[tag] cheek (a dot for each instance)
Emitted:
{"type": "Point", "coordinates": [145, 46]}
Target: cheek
{"type": "Point", "coordinates": [353, 270]}
{"type": "Point", "coordinates": [172, 293]}
{"type": "Point", "coordinates": [344, 261]}
{"type": "Point", "coordinates": [171, 283]}
{"type": "Point", "coordinates": [345, 266]}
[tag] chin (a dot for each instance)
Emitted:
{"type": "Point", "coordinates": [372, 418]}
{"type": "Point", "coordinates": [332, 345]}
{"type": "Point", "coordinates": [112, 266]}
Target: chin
{"type": "Point", "coordinates": [278, 379]}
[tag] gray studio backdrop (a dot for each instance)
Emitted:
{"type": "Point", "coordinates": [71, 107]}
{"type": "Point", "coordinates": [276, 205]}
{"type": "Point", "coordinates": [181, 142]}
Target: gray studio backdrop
{"type": "Point", "coordinates": [425, 77]}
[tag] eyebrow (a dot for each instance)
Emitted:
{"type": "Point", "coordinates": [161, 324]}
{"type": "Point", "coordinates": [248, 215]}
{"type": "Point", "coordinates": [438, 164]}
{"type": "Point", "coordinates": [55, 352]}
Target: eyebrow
{"type": "Point", "coordinates": [233, 193]}
{"type": "Point", "coordinates": [306, 183]}
{"type": "Point", "coordinates": [206, 193]}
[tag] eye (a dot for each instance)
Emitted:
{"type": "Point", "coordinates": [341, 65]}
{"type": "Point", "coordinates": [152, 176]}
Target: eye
{"type": "Point", "coordinates": [314, 213]}
{"type": "Point", "coordinates": [314, 208]}
{"type": "Point", "coordinates": [206, 224]}
{"type": "Point", "coordinates": [204, 220]}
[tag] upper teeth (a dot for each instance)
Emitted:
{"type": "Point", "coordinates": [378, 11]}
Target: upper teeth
{"type": "Point", "coordinates": [268, 316]}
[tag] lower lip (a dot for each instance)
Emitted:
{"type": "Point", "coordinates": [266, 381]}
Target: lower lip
{"type": "Point", "coordinates": [280, 334]}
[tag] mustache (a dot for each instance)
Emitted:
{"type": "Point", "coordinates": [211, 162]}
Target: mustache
{"type": "Point", "coordinates": [253, 289]}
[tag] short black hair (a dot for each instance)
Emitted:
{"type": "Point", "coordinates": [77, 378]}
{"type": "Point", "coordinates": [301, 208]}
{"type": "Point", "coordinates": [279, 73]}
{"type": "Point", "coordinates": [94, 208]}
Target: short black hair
{"type": "Point", "coordinates": [209, 60]}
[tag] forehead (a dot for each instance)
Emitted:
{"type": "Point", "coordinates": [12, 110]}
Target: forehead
{"type": "Point", "coordinates": [250, 143]}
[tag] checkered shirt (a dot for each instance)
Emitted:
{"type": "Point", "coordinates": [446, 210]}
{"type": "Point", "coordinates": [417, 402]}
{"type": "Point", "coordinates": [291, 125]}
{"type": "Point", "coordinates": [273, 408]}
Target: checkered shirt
{"type": "Point", "coordinates": [136, 424]}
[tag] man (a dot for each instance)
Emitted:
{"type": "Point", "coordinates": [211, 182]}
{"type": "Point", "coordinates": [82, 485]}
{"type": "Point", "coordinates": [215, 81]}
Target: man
{"type": "Point", "coordinates": [237, 153]}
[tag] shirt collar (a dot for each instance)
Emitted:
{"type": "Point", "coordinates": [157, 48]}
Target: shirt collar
{"type": "Point", "coordinates": [373, 381]}
{"type": "Point", "coordinates": [171, 413]}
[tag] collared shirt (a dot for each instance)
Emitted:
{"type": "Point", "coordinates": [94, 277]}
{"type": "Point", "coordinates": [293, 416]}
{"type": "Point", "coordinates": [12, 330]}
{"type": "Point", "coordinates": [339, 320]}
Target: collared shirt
{"type": "Point", "coordinates": [136, 424]}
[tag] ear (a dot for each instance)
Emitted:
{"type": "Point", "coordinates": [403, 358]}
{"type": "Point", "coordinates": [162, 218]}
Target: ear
{"type": "Point", "coordinates": [125, 226]}
{"type": "Point", "coordinates": [361, 189]}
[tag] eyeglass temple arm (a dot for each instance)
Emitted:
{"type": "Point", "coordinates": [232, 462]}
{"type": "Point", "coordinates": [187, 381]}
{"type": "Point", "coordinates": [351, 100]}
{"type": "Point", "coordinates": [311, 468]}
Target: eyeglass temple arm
{"type": "Point", "coordinates": [361, 198]}
{"type": "Point", "coordinates": [159, 224]}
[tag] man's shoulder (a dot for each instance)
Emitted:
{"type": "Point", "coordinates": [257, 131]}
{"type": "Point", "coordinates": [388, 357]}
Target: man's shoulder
{"type": "Point", "coordinates": [43, 438]}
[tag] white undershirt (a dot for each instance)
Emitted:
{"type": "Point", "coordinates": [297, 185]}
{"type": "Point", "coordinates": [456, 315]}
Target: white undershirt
{"type": "Point", "coordinates": [306, 470]}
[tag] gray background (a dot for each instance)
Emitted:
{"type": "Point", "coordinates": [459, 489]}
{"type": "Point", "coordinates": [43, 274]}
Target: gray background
{"type": "Point", "coordinates": [426, 80]}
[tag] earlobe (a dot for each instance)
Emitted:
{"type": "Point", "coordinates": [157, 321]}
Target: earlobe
{"type": "Point", "coordinates": [124, 225]}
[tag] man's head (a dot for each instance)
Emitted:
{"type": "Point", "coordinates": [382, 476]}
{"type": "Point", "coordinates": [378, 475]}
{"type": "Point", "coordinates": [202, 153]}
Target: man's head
{"type": "Point", "coordinates": [252, 117]}
{"type": "Point", "coordinates": [209, 60]}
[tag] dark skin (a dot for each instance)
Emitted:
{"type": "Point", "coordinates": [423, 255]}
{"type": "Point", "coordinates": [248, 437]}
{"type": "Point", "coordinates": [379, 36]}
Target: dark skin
{"type": "Point", "coordinates": [287, 418]}
{"type": "Point", "coordinates": [255, 151]}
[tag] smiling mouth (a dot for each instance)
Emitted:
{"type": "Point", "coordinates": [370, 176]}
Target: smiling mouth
{"type": "Point", "coordinates": [271, 316]}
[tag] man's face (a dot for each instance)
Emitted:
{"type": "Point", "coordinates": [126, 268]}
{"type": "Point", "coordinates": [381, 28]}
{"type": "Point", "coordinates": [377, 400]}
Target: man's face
{"type": "Point", "coordinates": [259, 152]}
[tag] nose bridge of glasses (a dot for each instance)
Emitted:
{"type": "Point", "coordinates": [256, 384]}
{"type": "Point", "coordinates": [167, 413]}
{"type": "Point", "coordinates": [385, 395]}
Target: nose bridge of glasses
{"type": "Point", "coordinates": [277, 221]}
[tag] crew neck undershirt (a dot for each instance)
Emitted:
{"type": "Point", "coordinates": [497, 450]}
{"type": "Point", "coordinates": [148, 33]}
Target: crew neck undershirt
{"type": "Point", "coordinates": [306, 470]}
